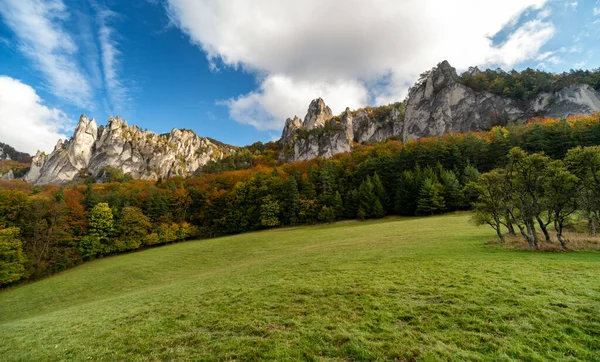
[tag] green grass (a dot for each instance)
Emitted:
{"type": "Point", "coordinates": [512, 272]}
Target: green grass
{"type": "Point", "coordinates": [397, 289]}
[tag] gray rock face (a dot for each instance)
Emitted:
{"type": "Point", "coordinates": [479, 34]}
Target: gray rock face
{"type": "Point", "coordinates": [318, 113]}
{"type": "Point", "coordinates": [571, 100]}
{"type": "Point", "coordinates": [141, 154]}
{"type": "Point", "coordinates": [8, 176]}
{"type": "Point", "coordinates": [368, 127]}
{"type": "Point", "coordinates": [436, 105]}
{"type": "Point", "coordinates": [439, 105]}
{"type": "Point", "coordinates": [327, 137]}
{"type": "Point", "coordinates": [290, 128]}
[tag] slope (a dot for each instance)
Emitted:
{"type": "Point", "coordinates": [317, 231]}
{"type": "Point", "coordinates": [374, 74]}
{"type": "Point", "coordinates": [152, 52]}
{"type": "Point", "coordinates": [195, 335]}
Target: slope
{"type": "Point", "coordinates": [405, 289]}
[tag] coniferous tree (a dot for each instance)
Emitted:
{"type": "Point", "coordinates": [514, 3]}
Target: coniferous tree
{"type": "Point", "coordinates": [430, 200]}
{"type": "Point", "coordinates": [407, 191]}
{"type": "Point", "coordinates": [453, 191]}
{"type": "Point", "coordinates": [367, 197]}
{"type": "Point", "coordinates": [291, 201]}
{"type": "Point", "coordinates": [338, 205]}
{"type": "Point", "coordinates": [352, 204]}
{"type": "Point", "coordinates": [380, 192]}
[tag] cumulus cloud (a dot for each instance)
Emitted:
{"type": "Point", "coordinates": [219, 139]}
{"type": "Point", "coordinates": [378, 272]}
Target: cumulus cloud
{"type": "Point", "coordinates": [278, 95]}
{"type": "Point", "coordinates": [42, 38]}
{"type": "Point", "coordinates": [363, 52]}
{"type": "Point", "coordinates": [25, 122]}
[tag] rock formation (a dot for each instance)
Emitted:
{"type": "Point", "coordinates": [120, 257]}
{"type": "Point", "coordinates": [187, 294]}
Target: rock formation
{"type": "Point", "coordinates": [141, 154]}
{"type": "Point", "coordinates": [322, 135]}
{"type": "Point", "coordinates": [436, 105]}
{"type": "Point", "coordinates": [571, 100]}
{"type": "Point", "coordinates": [440, 104]}
{"type": "Point", "coordinates": [8, 176]}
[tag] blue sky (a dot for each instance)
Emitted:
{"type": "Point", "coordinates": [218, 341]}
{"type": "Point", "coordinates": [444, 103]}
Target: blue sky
{"type": "Point", "coordinates": [234, 70]}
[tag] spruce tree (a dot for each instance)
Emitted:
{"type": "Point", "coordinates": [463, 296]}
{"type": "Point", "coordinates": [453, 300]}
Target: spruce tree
{"type": "Point", "coordinates": [291, 201]}
{"type": "Point", "coordinates": [380, 192]}
{"type": "Point", "coordinates": [453, 192]}
{"type": "Point", "coordinates": [430, 198]}
{"type": "Point", "coordinates": [367, 197]}
{"type": "Point", "coordinates": [338, 205]}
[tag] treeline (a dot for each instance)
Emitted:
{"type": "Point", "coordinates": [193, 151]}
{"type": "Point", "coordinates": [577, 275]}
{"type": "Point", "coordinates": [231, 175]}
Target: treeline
{"type": "Point", "coordinates": [527, 84]}
{"type": "Point", "coordinates": [49, 229]}
{"type": "Point", "coordinates": [533, 192]}
{"type": "Point", "coordinates": [257, 154]}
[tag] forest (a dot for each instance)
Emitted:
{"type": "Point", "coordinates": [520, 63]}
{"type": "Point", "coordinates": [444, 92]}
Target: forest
{"type": "Point", "coordinates": [47, 229]}
{"type": "Point", "coordinates": [527, 84]}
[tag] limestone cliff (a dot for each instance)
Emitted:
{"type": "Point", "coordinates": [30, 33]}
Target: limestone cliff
{"type": "Point", "coordinates": [141, 154]}
{"type": "Point", "coordinates": [438, 104]}
{"type": "Point", "coordinates": [322, 135]}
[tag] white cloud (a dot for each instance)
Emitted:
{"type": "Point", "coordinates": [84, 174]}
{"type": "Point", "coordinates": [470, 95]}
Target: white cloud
{"type": "Point", "coordinates": [39, 28]}
{"type": "Point", "coordinates": [544, 55]}
{"type": "Point", "coordinates": [117, 92]}
{"type": "Point", "coordinates": [351, 48]}
{"type": "Point", "coordinates": [25, 122]}
{"type": "Point", "coordinates": [596, 11]}
{"type": "Point", "coordinates": [280, 97]}
{"type": "Point", "coordinates": [572, 5]}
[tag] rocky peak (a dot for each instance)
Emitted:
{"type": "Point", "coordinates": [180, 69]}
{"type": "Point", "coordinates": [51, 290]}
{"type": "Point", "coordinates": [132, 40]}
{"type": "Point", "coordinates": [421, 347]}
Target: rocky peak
{"type": "Point", "coordinates": [290, 128]}
{"type": "Point", "coordinates": [318, 113]}
{"type": "Point", "coordinates": [442, 76]}
{"type": "Point", "coordinates": [141, 154]}
{"type": "Point", "coordinates": [346, 121]}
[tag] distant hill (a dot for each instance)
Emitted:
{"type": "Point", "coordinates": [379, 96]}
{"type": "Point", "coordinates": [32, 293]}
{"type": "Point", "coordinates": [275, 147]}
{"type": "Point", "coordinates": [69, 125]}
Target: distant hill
{"type": "Point", "coordinates": [8, 152]}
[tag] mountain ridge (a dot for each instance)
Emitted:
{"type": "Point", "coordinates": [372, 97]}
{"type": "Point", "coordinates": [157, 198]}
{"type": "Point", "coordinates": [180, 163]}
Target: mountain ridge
{"type": "Point", "coordinates": [440, 102]}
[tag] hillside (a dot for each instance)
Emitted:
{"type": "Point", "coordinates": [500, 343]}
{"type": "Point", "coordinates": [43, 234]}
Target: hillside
{"type": "Point", "coordinates": [13, 164]}
{"type": "Point", "coordinates": [397, 289]}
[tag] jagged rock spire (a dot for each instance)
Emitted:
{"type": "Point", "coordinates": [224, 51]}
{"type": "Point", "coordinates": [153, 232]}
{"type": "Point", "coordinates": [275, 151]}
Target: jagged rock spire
{"type": "Point", "coordinates": [318, 113]}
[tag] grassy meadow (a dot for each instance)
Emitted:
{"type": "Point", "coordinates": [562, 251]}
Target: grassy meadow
{"type": "Point", "coordinates": [396, 289]}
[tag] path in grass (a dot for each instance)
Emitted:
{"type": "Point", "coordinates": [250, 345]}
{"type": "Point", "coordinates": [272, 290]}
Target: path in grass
{"type": "Point", "coordinates": [422, 288]}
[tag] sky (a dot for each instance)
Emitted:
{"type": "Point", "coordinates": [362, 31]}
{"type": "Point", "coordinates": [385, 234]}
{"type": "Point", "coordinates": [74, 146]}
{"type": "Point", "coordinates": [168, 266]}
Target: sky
{"type": "Point", "coordinates": [234, 70]}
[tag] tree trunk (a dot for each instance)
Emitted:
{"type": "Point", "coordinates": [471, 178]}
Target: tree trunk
{"type": "Point", "coordinates": [532, 233]}
{"type": "Point", "coordinates": [526, 236]}
{"type": "Point", "coordinates": [591, 224]}
{"type": "Point", "coordinates": [499, 232]}
{"type": "Point", "coordinates": [558, 226]}
{"type": "Point", "coordinates": [511, 228]}
{"type": "Point", "coordinates": [544, 230]}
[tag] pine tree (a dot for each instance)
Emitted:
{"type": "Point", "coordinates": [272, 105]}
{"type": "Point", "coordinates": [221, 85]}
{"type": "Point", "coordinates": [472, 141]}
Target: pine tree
{"type": "Point", "coordinates": [291, 201]}
{"type": "Point", "coordinates": [378, 211]}
{"type": "Point", "coordinates": [453, 192]}
{"type": "Point", "coordinates": [430, 198]}
{"type": "Point", "coordinates": [338, 205]}
{"type": "Point", "coordinates": [352, 204]}
{"type": "Point", "coordinates": [409, 184]}
{"type": "Point", "coordinates": [380, 192]}
{"type": "Point", "coordinates": [367, 197]}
